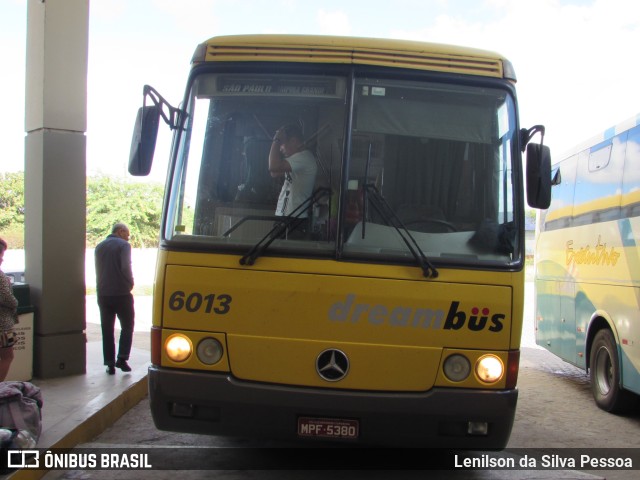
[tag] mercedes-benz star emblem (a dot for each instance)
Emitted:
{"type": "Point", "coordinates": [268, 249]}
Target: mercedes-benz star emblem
{"type": "Point", "coordinates": [332, 365]}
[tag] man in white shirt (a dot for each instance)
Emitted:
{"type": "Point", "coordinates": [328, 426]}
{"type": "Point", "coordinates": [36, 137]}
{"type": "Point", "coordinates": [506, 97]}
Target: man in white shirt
{"type": "Point", "coordinates": [290, 158]}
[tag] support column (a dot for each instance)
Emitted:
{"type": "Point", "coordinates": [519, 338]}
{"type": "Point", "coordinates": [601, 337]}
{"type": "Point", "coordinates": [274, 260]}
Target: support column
{"type": "Point", "coordinates": [55, 181]}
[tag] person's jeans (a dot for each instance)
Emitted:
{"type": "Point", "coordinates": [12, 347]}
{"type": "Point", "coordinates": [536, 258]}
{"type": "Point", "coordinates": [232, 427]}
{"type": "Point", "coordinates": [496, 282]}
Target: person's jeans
{"type": "Point", "coordinates": [122, 307]}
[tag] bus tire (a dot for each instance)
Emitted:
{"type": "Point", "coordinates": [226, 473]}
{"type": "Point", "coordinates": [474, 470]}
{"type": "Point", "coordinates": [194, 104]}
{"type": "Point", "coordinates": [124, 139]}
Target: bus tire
{"type": "Point", "coordinates": [604, 372]}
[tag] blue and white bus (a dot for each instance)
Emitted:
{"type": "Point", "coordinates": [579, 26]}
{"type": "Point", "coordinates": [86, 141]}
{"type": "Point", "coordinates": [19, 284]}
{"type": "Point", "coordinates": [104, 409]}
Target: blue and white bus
{"type": "Point", "coordinates": [588, 265]}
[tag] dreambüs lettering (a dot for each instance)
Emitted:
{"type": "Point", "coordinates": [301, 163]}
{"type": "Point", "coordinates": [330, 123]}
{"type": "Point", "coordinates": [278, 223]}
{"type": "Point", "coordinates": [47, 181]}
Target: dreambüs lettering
{"type": "Point", "coordinates": [455, 319]}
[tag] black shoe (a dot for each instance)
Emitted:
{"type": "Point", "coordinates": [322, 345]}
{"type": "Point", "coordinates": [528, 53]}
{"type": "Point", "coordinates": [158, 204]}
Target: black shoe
{"type": "Point", "coordinates": [123, 365]}
{"type": "Point", "coordinates": [111, 370]}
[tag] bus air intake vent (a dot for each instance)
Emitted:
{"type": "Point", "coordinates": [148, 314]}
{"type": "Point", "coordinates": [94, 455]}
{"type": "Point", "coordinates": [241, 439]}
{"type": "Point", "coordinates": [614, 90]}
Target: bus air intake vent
{"type": "Point", "coordinates": [420, 60]}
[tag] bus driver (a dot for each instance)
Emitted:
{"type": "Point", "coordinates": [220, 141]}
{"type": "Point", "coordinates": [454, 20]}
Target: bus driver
{"type": "Point", "coordinates": [290, 158]}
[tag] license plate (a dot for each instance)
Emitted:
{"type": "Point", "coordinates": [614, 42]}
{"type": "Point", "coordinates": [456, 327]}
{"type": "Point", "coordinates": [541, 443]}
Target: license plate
{"type": "Point", "coordinates": [337, 428]}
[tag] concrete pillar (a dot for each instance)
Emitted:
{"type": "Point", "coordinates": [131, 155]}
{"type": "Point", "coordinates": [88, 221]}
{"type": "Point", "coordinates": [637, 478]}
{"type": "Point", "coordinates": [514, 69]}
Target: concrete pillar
{"type": "Point", "coordinates": [55, 179]}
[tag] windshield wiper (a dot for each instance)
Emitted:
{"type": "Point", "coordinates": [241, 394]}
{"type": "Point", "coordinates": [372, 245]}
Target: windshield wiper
{"type": "Point", "coordinates": [282, 224]}
{"type": "Point", "coordinates": [389, 216]}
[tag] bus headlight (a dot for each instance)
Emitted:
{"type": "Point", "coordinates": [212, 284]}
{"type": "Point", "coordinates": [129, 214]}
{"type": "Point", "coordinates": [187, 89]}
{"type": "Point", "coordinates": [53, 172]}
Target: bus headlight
{"type": "Point", "coordinates": [489, 368]}
{"type": "Point", "coordinates": [209, 351]}
{"type": "Point", "coordinates": [178, 348]}
{"type": "Point", "coordinates": [456, 368]}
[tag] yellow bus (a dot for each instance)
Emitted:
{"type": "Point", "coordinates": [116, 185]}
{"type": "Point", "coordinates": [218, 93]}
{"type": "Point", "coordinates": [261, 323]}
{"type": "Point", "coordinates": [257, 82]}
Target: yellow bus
{"type": "Point", "coordinates": [588, 265]}
{"type": "Point", "coordinates": [341, 252]}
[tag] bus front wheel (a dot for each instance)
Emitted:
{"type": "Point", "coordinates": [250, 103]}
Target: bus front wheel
{"type": "Point", "coordinates": [604, 366]}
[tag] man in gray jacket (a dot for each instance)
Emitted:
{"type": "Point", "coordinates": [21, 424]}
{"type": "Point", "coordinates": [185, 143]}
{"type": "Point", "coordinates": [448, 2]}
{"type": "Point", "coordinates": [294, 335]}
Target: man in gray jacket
{"type": "Point", "coordinates": [114, 283]}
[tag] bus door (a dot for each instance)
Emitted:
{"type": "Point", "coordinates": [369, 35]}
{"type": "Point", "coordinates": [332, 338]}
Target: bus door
{"type": "Point", "coordinates": [555, 287]}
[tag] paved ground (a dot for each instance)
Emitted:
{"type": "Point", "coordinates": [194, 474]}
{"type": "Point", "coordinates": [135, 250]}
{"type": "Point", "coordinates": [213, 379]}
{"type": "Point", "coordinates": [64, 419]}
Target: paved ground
{"type": "Point", "coordinates": [556, 409]}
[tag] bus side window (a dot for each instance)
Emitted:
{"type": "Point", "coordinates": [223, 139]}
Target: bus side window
{"type": "Point", "coordinates": [631, 177]}
{"type": "Point", "coordinates": [600, 178]}
{"type": "Point", "coordinates": [560, 212]}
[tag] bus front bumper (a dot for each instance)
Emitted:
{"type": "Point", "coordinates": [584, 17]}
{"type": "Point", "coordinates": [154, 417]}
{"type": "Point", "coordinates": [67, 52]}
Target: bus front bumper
{"type": "Point", "coordinates": [219, 404]}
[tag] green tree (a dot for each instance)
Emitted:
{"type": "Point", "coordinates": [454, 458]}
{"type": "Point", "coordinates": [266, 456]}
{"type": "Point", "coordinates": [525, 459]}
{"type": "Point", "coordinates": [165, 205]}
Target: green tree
{"type": "Point", "coordinates": [530, 215]}
{"type": "Point", "coordinates": [109, 200]}
{"type": "Point", "coordinates": [12, 208]}
{"type": "Point", "coordinates": [139, 205]}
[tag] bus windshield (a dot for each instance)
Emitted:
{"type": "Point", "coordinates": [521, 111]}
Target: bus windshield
{"type": "Point", "coordinates": [381, 156]}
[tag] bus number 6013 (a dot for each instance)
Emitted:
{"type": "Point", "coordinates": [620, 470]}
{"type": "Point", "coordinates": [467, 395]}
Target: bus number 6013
{"type": "Point", "coordinates": [198, 302]}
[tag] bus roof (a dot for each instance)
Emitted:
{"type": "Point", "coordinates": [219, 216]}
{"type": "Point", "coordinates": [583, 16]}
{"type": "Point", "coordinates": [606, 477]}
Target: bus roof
{"type": "Point", "coordinates": [603, 136]}
{"type": "Point", "coordinates": [354, 50]}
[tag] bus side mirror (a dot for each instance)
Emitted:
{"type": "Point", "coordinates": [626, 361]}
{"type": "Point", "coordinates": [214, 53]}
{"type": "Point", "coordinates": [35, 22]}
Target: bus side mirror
{"type": "Point", "coordinates": [143, 143]}
{"type": "Point", "coordinates": [538, 176]}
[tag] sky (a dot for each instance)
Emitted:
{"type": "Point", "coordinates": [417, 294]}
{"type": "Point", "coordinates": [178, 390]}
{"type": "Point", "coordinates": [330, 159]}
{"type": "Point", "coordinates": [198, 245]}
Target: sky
{"type": "Point", "coordinates": [576, 60]}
